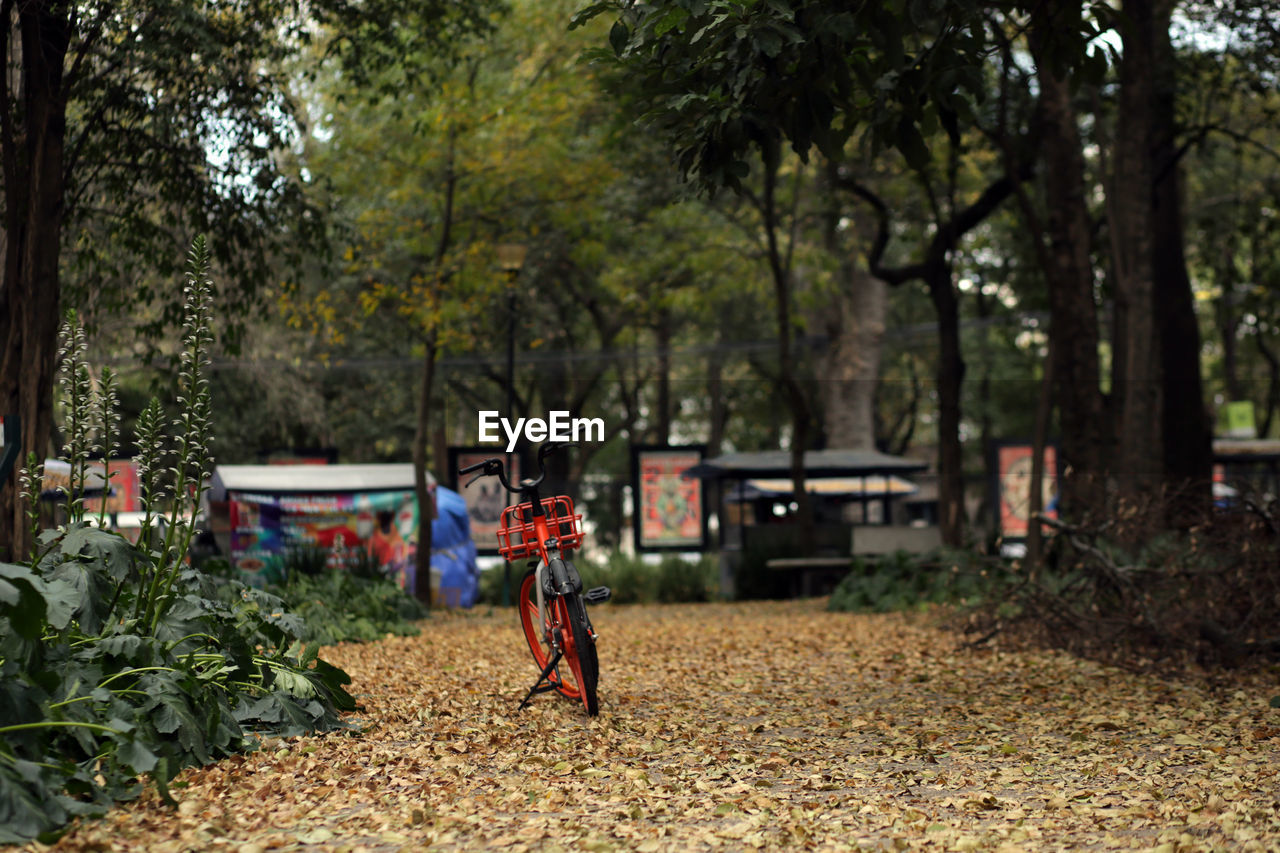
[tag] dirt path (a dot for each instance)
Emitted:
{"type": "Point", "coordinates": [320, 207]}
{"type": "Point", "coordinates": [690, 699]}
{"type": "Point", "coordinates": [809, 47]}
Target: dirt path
{"type": "Point", "coordinates": [771, 725]}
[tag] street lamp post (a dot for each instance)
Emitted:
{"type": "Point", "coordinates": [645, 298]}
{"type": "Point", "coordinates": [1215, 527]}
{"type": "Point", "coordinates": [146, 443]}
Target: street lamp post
{"type": "Point", "coordinates": [511, 260]}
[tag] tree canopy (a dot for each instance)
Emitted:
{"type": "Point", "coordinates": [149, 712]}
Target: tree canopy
{"type": "Point", "coordinates": [714, 195]}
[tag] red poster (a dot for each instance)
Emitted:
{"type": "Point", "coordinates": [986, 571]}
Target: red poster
{"type": "Point", "coordinates": [670, 506]}
{"type": "Point", "coordinates": [1014, 467]}
{"type": "Point", "coordinates": [125, 488]}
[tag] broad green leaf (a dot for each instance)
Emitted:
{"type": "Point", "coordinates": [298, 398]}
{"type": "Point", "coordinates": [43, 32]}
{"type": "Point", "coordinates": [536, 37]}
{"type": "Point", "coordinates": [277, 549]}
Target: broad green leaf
{"type": "Point", "coordinates": [22, 600]}
{"type": "Point", "coordinates": [619, 34]}
{"type": "Point", "coordinates": [136, 755]}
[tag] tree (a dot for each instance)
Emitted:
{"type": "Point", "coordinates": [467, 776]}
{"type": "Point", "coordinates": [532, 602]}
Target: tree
{"type": "Point", "coordinates": [141, 123]}
{"type": "Point", "coordinates": [722, 79]}
{"type": "Point", "coordinates": [935, 270]}
{"type": "Point", "coordinates": [1233, 195]}
{"type": "Point", "coordinates": [509, 146]}
{"type": "Point", "coordinates": [1061, 231]}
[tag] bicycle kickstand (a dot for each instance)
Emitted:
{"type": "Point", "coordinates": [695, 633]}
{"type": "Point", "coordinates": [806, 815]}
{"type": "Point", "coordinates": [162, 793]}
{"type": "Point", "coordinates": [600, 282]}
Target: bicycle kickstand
{"type": "Point", "coordinates": [538, 686]}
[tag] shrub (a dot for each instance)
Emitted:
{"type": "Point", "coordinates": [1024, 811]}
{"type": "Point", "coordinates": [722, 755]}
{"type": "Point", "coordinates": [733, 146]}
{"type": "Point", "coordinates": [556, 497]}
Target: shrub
{"type": "Point", "coordinates": [339, 605]}
{"type": "Point", "coordinates": [902, 581]}
{"type": "Point", "coordinates": [680, 580]}
{"type": "Point", "coordinates": [633, 580]}
{"type": "Point", "coordinates": [355, 604]}
{"type": "Point", "coordinates": [119, 661]}
{"type": "Point", "coordinates": [1210, 594]}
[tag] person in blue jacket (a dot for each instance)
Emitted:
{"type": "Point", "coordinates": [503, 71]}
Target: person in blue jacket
{"type": "Point", "coordinates": [453, 551]}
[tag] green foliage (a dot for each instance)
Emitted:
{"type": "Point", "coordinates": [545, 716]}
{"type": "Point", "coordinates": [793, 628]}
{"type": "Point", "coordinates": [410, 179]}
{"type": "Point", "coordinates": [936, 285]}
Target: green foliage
{"type": "Point", "coordinates": [903, 581]}
{"type": "Point", "coordinates": [682, 580]}
{"type": "Point", "coordinates": [354, 603]}
{"type": "Point", "coordinates": [101, 696]}
{"type": "Point", "coordinates": [340, 605]}
{"type": "Point", "coordinates": [710, 75]}
{"type": "Point", "coordinates": [633, 579]}
{"type": "Point", "coordinates": [119, 661]}
{"type": "Point", "coordinates": [490, 584]}
{"type": "Point", "coordinates": [304, 562]}
{"type": "Point", "coordinates": [179, 112]}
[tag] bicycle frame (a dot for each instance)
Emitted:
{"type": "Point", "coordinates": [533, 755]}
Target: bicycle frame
{"type": "Point", "coordinates": [546, 542]}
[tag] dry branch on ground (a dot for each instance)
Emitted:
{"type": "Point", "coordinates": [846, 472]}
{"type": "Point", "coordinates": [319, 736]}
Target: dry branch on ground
{"type": "Point", "coordinates": [734, 726]}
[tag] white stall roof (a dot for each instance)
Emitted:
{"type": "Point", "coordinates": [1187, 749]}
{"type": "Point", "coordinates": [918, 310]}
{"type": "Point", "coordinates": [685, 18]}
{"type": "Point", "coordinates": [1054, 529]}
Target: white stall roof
{"type": "Point", "coordinates": [311, 479]}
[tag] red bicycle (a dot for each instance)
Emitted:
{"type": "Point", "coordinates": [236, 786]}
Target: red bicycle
{"type": "Point", "coordinates": [551, 602]}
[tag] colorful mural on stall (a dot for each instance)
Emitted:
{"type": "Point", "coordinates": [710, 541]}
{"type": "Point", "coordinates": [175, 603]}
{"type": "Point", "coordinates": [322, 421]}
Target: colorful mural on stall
{"type": "Point", "coordinates": [264, 527]}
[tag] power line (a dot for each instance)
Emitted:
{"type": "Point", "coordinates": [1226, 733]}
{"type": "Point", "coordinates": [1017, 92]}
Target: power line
{"type": "Point", "coordinates": [810, 343]}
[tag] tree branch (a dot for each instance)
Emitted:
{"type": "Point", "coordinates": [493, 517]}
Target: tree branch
{"type": "Point", "coordinates": [89, 39]}
{"type": "Point", "coordinates": [946, 238]}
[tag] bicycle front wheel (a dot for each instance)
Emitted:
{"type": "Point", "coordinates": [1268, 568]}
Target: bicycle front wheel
{"type": "Point", "coordinates": [543, 634]}
{"type": "Point", "coordinates": [565, 626]}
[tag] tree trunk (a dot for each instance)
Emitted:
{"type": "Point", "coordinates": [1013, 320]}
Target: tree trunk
{"type": "Point", "coordinates": [853, 319]}
{"type": "Point", "coordinates": [792, 394]}
{"type": "Point", "coordinates": [662, 331]}
{"type": "Point", "coordinates": [421, 488]}
{"type": "Point", "coordinates": [1139, 453]}
{"type": "Point", "coordinates": [1185, 424]}
{"type": "Point", "coordinates": [950, 378]}
{"type": "Point", "coordinates": [1225, 314]}
{"type": "Point", "coordinates": [33, 153]}
{"type": "Point", "coordinates": [1068, 272]}
{"type": "Point", "coordinates": [422, 429]}
{"type": "Point", "coordinates": [717, 409]}
{"type": "Point", "coordinates": [1273, 384]}
{"type": "Point", "coordinates": [855, 324]}
{"type": "Point", "coordinates": [1035, 494]}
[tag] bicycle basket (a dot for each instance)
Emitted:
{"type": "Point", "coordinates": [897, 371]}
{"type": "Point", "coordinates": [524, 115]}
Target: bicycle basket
{"type": "Point", "coordinates": [518, 538]}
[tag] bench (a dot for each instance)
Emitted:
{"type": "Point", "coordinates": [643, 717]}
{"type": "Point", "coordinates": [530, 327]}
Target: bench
{"type": "Point", "coordinates": [811, 576]}
{"type": "Point", "coordinates": [818, 575]}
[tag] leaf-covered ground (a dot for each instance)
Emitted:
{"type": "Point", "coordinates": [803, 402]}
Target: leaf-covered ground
{"type": "Point", "coordinates": [735, 726]}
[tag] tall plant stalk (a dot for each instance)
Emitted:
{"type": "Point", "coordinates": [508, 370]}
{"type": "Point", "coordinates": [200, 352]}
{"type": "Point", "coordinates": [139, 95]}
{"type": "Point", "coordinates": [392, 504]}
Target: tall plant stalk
{"type": "Point", "coordinates": [151, 457]}
{"type": "Point", "coordinates": [31, 481]}
{"type": "Point", "coordinates": [193, 461]}
{"type": "Point", "coordinates": [77, 392]}
{"type": "Point", "coordinates": [107, 416]}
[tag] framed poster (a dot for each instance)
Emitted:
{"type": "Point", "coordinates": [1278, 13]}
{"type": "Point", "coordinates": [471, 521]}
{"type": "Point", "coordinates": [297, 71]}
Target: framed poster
{"type": "Point", "coordinates": [669, 511]}
{"type": "Point", "coordinates": [486, 498]}
{"type": "Point", "coordinates": [1012, 486]}
{"type": "Point", "coordinates": [125, 493]}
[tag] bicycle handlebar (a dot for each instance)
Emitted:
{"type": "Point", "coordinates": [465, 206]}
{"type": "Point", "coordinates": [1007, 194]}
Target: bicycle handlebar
{"type": "Point", "coordinates": [493, 465]}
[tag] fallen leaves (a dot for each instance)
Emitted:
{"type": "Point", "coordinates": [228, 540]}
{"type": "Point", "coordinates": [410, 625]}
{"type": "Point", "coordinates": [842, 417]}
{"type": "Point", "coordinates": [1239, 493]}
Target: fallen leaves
{"type": "Point", "coordinates": [741, 726]}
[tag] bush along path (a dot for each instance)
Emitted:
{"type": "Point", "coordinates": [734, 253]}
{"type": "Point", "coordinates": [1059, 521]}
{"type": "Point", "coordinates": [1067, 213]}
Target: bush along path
{"type": "Point", "coordinates": [775, 725]}
{"type": "Point", "coordinates": [120, 663]}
